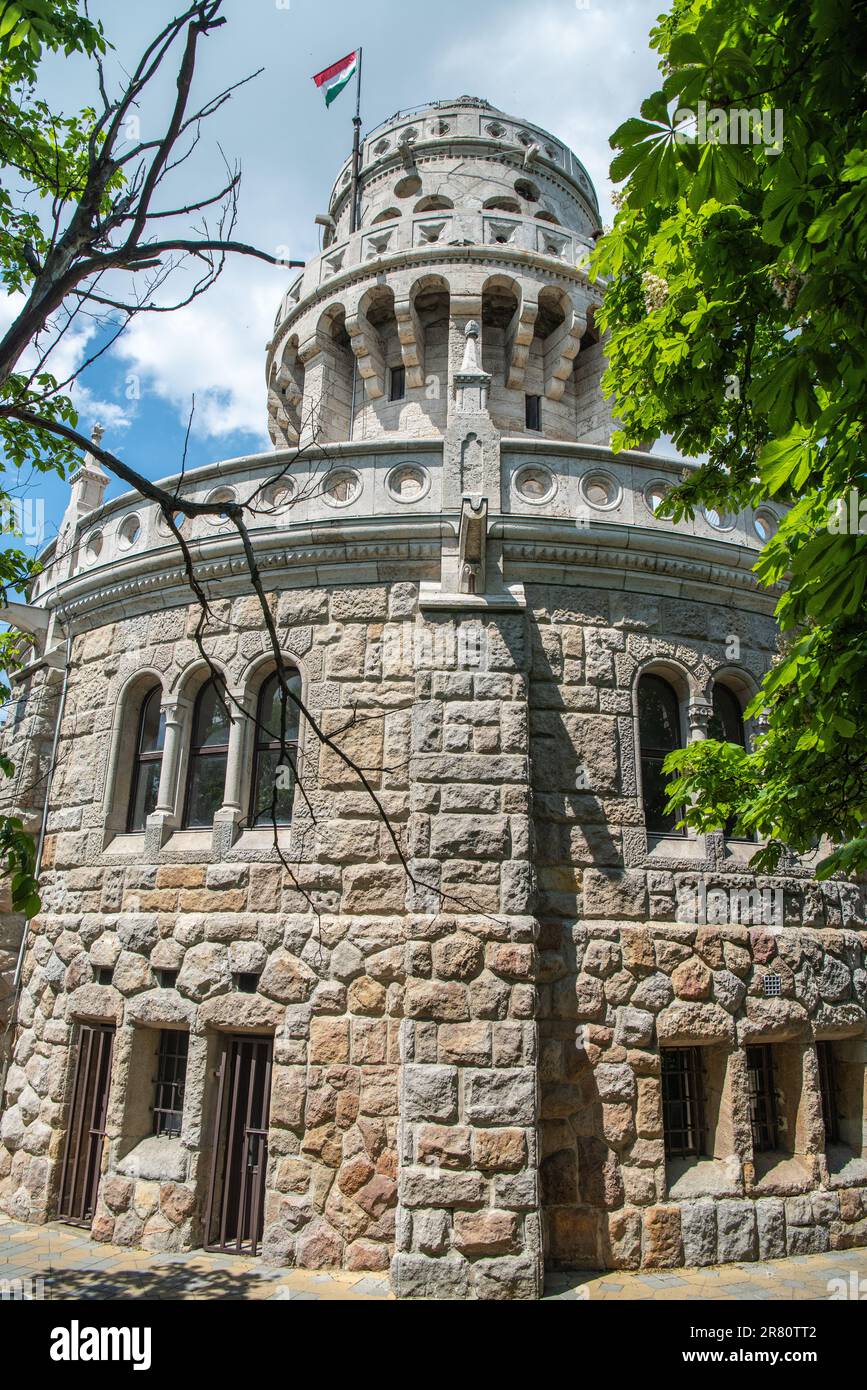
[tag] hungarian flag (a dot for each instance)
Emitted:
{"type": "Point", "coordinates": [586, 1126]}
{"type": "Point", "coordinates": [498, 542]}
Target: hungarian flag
{"type": "Point", "coordinates": [332, 80]}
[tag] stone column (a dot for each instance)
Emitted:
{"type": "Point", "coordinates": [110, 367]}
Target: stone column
{"type": "Point", "coordinates": [166, 815]}
{"type": "Point", "coordinates": [698, 715]}
{"type": "Point", "coordinates": [468, 1217]}
{"type": "Point", "coordinates": [228, 819]}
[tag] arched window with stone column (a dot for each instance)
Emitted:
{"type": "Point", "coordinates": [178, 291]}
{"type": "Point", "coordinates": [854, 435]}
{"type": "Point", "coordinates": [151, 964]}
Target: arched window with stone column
{"type": "Point", "coordinates": [208, 757]}
{"type": "Point", "coordinates": [136, 752]}
{"type": "Point", "coordinates": [275, 751]}
{"type": "Point", "coordinates": [148, 761]}
{"type": "Point", "coordinates": [660, 732]}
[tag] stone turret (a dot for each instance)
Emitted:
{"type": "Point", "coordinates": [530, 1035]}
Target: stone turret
{"type": "Point", "coordinates": [467, 215]}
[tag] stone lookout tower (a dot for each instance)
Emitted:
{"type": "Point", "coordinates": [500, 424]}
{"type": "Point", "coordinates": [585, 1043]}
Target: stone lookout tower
{"type": "Point", "coordinates": [561, 1033]}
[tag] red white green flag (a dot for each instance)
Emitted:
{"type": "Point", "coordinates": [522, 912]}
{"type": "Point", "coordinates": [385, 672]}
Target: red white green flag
{"type": "Point", "coordinates": [332, 80]}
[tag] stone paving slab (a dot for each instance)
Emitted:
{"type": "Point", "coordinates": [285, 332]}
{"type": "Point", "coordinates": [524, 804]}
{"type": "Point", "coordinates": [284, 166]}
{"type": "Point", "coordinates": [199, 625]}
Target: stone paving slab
{"type": "Point", "coordinates": [75, 1267]}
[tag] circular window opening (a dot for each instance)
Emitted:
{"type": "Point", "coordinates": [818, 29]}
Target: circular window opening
{"type": "Point", "coordinates": [720, 521]}
{"type": "Point", "coordinates": [535, 484]}
{"type": "Point", "coordinates": [220, 494]}
{"type": "Point", "coordinates": [765, 524]}
{"type": "Point", "coordinates": [655, 494]}
{"type": "Point", "coordinates": [407, 483]}
{"type": "Point", "coordinates": [407, 187]}
{"type": "Point", "coordinates": [93, 546]}
{"type": "Point", "coordinates": [341, 487]}
{"type": "Point", "coordinates": [182, 522]}
{"type": "Point", "coordinates": [129, 531]}
{"type": "Point", "coordinates": [380, 147]}
{"type": "Point", "coordinates": [277, 496]}
{"type": "Point", "coordinates": [600, 490]}
{"type": "Point", "coordinates": [525, 189]}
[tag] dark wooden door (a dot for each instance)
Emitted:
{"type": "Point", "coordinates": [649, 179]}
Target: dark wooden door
{"type": "Point", "coordinates": [82, 1154]}
{"type": "Point", "coordinates": [237, 1194]}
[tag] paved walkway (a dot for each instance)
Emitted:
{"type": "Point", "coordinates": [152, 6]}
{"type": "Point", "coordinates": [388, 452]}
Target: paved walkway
{"type": "Point", "coordinates": [71, 1266]}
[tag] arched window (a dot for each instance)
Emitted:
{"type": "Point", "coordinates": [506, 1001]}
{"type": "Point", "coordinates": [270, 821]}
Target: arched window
{"type": "Point", "coordinates": [209, 750]}
{"type": "Point", "coordinates": [273, 790]}
{"type": "Point", "coordinates": [148, 761]}
{"type": "Point", "coordinates": [726, 722]}
{"type": "Point", "coordinates": [659, 734]}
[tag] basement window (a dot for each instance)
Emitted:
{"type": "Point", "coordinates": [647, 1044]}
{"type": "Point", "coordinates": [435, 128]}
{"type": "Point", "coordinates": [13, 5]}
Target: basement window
{"type": "Point", "coordinates": [828, 1091]}
{"type": "Point", "coordinates": [683, 1102]}
{"type": "Point", "coordinates": [697, 1109]}
{"type": "Point", "coordinates": [764, 1118]}
{"type": "Point", "coordinates": [171, 1075]}
{"type": "Point", "coordinates": [533, 412]}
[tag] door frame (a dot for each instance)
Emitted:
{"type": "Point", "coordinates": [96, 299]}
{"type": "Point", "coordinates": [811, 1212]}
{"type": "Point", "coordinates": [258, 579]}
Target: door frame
{"type": "Point", "coordinates": [94, 1054]}
{"type": "Point", "coordinates": [235, 1139]}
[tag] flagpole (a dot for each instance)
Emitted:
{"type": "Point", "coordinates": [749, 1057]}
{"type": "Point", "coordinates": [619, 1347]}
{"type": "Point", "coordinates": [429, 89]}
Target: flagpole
{"type": "Point", "coordinates": [356, 149]}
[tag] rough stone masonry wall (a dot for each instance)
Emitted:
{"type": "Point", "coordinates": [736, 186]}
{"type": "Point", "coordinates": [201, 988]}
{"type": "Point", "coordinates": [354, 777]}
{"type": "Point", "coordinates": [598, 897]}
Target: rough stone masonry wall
{"type": "Point", "coordinates": [468, 1222]}
{"type": "Point", "coordinates": [618, 978]}
{"type": "Point", "coordinates": [412, 1036]}
{"type": "Point", "coordinates": [25, 736]}
{"type": "Point", "coordinates": [368, 996]}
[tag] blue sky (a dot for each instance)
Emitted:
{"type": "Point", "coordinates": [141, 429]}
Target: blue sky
{"type": "Point", "coordinates": [577, 69]}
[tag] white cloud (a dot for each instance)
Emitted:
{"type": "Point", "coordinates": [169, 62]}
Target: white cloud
{"type": "Point", "coordinates": [577, 72]}
{"type": "Point", "coordinates": [213, 349]}
{"type": "Point", "coordinates": [65, 356]}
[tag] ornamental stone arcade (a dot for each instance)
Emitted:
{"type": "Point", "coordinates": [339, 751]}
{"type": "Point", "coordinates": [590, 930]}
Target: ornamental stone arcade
{"type": "Point", "coordinates": [574, 1037]}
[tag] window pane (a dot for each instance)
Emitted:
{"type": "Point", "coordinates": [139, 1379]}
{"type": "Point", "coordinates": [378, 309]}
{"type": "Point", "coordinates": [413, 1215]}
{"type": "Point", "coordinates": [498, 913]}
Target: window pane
{"type": "Point", "coordinates": [212, 721]}
{"type": "Point", "coordinates": [272, 801]}
{"type": "Point", "coordinates": [398, 384]}
{"type": "Point", "coordinates": [153, 724]}
{"type": "Point", "coordinates": [146, 788]}
{"type": "Point", "coordinates": [207, 781]}
{"type": "Point", "coordinates": [682, 1101]}
{"type": "Point", "coordinates": [168, 1105]}
{"type": "Point", "coordinates": [653, 784]}
{"type": "Point", "coordinates": [271, 707]}
{"type": "Point", "coordinates": [726, 723]}
{"type": "Point", "coordinates": [657, 714]}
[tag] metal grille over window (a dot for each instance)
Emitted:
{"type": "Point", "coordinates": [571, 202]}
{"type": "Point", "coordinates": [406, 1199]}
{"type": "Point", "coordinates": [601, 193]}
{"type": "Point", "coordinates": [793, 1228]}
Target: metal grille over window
{"type": "Point", "coordinates": [683, 1102]}
{"type": "Point", "coordinates": [763, 1098]}
{"type": "Point", "coordinates": [772, 986]}
{"type": "Point", "coordinates": [171, 1075]}
{"type": "Point", "coordinates": [828, 1090]}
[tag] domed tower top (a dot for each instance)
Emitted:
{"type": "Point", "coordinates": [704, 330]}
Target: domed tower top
{"type": "Point", "coordinates": [464, 214]}
{"type": "Point", "coordinates": [465, 155]}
